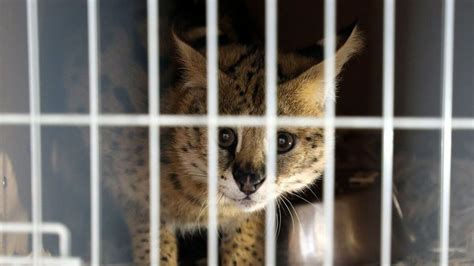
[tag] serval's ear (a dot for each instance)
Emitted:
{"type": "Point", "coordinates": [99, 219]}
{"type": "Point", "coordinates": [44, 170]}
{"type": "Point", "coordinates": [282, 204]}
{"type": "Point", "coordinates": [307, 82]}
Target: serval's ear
{"type": "Point", "coordinates": [301, 73]}
{"type": "Point", "coordinates": [192, 62]}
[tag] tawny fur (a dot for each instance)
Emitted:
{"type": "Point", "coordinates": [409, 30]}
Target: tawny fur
{"type": "Point", "coordinates": [183, 174]}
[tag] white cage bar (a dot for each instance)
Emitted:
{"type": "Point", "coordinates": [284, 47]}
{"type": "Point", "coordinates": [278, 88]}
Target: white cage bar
{"type": "Point", "coordinates": [35, 127]}
{"type": "Point", "coordinates": [388, 130]}
{"type": "Point", "coordinates": [448, 50]}
{"type": "Point", "coordinates": [40, 261]}
{"type": "Point", "coordinates": [212, 120]}
{"type": "Point", "coordinates": [154, 136]}
{"type": "Point", "coordinates": [356, 122]}
{"type": "Point", "coordinates": [329, 127]}
{"type": "Point", "coordinates": [271, 103]}
{"type": "Point", "coordinates": [212, 114]}
{"type": "Point", "coordinates": [46, 228]}
{"type": "Point", "coordinates": [93, 45]}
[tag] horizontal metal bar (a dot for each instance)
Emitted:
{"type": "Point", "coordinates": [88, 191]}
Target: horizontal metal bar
{"type": "Point", "coordinates": [47, 261]}
{"type": "Point", "coordinates": [44, 228]}
{"type": "Point", "coordinates": [356, 122]}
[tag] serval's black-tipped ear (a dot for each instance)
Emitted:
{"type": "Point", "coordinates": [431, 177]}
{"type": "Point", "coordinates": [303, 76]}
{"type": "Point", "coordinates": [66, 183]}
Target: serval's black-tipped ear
{"type": "Point", "coordinates": [302, 71]}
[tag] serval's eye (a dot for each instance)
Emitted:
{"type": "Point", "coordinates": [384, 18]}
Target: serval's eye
{"type": "Point", "coordinates": [227, 138]}
{"type": "Point", "coordinates": [286, 142]}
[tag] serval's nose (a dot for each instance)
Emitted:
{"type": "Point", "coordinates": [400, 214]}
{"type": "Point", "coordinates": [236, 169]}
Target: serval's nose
{"type": "Point", "coordinates": [248, 180]}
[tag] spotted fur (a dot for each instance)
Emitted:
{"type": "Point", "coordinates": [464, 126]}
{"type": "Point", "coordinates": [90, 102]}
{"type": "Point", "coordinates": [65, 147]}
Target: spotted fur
{"type": "Point", "coordinates": [183, 177]}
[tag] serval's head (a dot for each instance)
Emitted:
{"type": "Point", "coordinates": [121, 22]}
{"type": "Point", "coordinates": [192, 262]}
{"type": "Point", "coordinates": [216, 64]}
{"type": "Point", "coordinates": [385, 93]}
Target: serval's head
{"type": "Point", "coordinates": [242, 149]}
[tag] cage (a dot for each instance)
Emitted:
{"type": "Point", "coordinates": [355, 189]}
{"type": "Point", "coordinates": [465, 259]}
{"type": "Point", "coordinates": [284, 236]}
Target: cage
{"type": "Point", "coordinates": [77, 76]}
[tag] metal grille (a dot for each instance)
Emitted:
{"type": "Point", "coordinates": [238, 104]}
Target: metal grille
{"type": "Point", "coordinates": [94, 120]}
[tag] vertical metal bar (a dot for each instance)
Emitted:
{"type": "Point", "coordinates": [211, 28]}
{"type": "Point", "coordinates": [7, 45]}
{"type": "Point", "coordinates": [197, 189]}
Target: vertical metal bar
{"type": "Point", "coordinates": [330, 113]}
{"type": "Point", "coordinates": [35, 127]}
{"type": "Point", "coordinates": [448, 49]}
{"type": "Point", "coordinates": [93, 38]}
{"type": "Point", "coordinates": [388, 102]}
{"type": "Point", "coordinates": [212, 113]}
{"type": "Point", "coordinates": [271, 26]}
{"type": "Point", "coordinates": [154, 141]}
